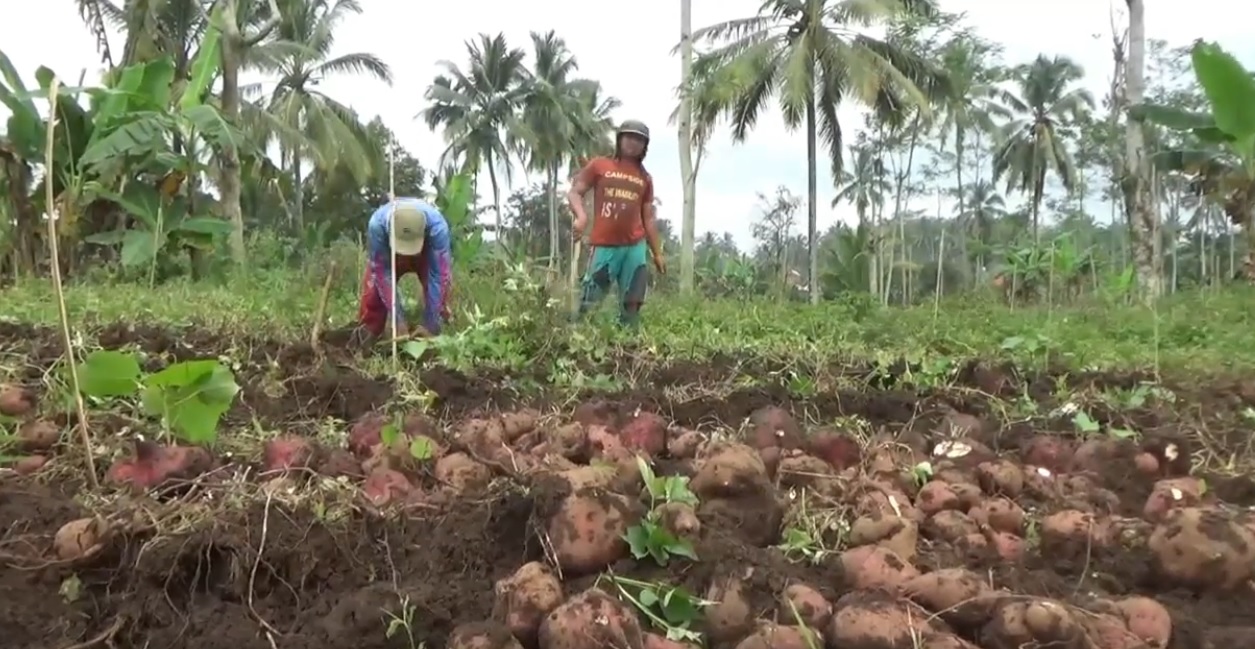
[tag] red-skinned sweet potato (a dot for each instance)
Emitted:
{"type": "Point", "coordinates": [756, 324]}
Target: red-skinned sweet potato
{"type": "Point", "coordinates": [805, 604]}
{"type": "Point", "coordinates": [524, 599]}
{"type": "Point", "coordinates": [773, 426]}
{"type": "Point", "coordinates": [482, 635]}
{"type": "Point", "coordinates": [591, 619]}
{"type": "Point", "coordinates": [875, 567]}
{"type": "Point", "coordinates": [154, 465]}
{"type": "Point", "coordinates": [587, 530]}
{"type": "Point", "coordinates": [286, 453]}
{"type": "Point", "coordinates": [15, 401]}
{"type": "Point", "coordinates": [645, 433]}
{"type": "Point", "coordinates": [384, 486]}
{"type": "Point", "coordinates": [37, 436]}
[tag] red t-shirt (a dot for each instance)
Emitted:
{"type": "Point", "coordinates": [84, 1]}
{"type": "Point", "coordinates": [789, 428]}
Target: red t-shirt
{"type": "Point", "coordinates": [621, 192]}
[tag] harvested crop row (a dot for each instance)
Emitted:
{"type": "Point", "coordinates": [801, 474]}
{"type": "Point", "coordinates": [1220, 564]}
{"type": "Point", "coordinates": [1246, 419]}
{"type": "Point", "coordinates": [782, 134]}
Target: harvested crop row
{"type": "Point", "coordinates": [900, 503]}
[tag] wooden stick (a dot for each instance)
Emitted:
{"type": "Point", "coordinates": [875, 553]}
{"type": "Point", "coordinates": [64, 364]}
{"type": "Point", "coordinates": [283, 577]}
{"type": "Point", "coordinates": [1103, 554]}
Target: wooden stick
{"type": "Point", "coordinates": [392, 252]}
{"type": "Point", "coordinates": [320, 312]}
{"type": "Point", "coordinates": [573, 280]}
{"type": "Point", "coordinates": [57, 285]}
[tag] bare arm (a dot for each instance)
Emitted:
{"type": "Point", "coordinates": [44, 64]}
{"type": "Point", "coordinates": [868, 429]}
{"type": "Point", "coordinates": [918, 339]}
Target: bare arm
{"type": "Point", "coordinates": [650, 217]}
{"type": "Point", "coordinates": [575, 197]}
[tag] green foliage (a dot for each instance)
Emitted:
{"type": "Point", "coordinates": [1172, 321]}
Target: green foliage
{"type": "Point", "coordinates": [162, 224]}
{"type": "Point", "coordinates": [453, 199]}
{"type": "Point", "coordinates": [189, 398]}
{"type": "Point", "coordinates": [649, 537]}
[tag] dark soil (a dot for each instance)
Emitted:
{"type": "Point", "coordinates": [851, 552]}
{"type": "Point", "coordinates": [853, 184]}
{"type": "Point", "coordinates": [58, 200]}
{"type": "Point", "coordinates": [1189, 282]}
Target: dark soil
{"type": "Point", "coordinates": [326, 585]}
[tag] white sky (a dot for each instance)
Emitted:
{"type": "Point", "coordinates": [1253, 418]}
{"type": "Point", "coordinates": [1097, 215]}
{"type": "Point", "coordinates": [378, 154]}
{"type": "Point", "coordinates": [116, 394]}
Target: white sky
{"type": "Point", "coordinates": [628, 48]}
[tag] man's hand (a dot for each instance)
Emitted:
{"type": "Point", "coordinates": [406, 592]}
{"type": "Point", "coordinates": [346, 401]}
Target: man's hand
{"type": "Point", "coordinates": [402, 331]}
{"type": "Point", "coordinates": [660, 264]}
{"type": "Point", "coordinates": [578, 227]}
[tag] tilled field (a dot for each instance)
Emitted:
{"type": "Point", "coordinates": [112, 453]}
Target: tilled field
{"type": "Point", "coordinates": [857, 519]}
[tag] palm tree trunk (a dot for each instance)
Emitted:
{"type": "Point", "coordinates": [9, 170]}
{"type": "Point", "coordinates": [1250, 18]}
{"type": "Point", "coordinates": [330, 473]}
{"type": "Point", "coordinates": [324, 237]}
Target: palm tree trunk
{"type": "Point", "coordinates": [553, 216]}
{"type": "Point", "coordinates": [812, 195]}
{"type": "Point", "coordinates": [688, 227]}
{"type": "Point", "coordinates": [959, 146]}
{"type": "Point", "coordinates": [235, 42]}
{"type": "Point", "coordinates": [298, 193]}
{"type": "Point", "coordinates": [1136, 182]}
{"type": "Point", "coordinates": [496, 201]}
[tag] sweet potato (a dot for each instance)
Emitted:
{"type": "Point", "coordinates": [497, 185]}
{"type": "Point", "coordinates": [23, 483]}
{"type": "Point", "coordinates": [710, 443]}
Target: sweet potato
{"type": "Point", "coordinates": [1001, 514]}
{"type": "Point", "coordinates": [730, 470]}
{"type": "Point", "coordinates": [1172, 454]}
{"type": "Point", "coordinates": [684, 444]}
{"type": "Point", "coordinates": [941, 640]}
{"type": "Point", "coordinates": [37, 436]}
{"type": "Point", "coordinates": [645, 433]}
{"type": "Point", "coordinates": [863, 619]}
{"type": "Point", "coordinates": [604, 444]}
{"type": "Point", "coordinates": [366, 433]}
{"type": "Point", "coordinates": [15, 401]}
{"type": "Point", "coordinates": [959, 596]}
{"type": "Point", "coordinates": [596, 412]}
{"type": "Point", "coordinates": [1106, 631]}
{"type": "Point", "coordinates": [875, 567]}
{"type": "Point", "coordinates": [1147, 619]}
{"type": "Point", "coordinates": [1071, 528]}
{"type": "Point", "coordinates": [1008, 546]}
{"type": "Point", "coordinates": [587, 530]}
{"type": "Point", "coordinates": [485, 440]}
{"type": "Point", "coordinates": [801, 602]}
{"type": "Point", "coordinates": [286, 453]}
{"type": "Point", "coordinates": [340, 462]}
{"type": "Point", "coordinates": [1033, 623]}
{"type": "Point", "coordinates": [961, 424]}
{"type": "Point", "coordinates": [839, 451]}
{"type": "Point", "coordinates": [384, 486]}
{"type": "Point", "coordinates": [1001, 477]}
{"type": "Point", "coordinates": [154, 465]}
{"type": "Point", "coordinates": [591, 619]}
{"type": "Point", "coordinates": [462, 473]}
{"type": "Point", "coordinates": [936, 496]}
{"type": "Point", "coordinates": [1170, 494]}
{"type": "Point", "coordinates": [482, 635]}
{"type": "Point", "coordinates": [1053, 453]}
{"type": "Point", "coordinates": [524, 599]}
{"type": "Point", "coordinates": [803, 472]}
{"type": "Point", "coordinates": [570, 441]}
{"type": "Point", "coordinates": [893, 532]}
{"type": "Point", "coordinates": [773, 426]}
{"type": "Point", "coordinates": [950, 525]}
{"type": "Point", "coordinates": [680, 520]}
{"type": "Point", "coordinates": [1147, 464]}
{"type": "Point", "coordinates": [769, 635]}
{"type": "Point", "coordinates": [1203, 548]}
{"type": "Point", "coordinates": [519, 423]}
{"type": "Point", "coordinates": [30, 464]}
{"type": "Point", "coordinates": [80, 539]}
{"type": "Point", "coordinates": [730, 616]}
{"type": "Point", "coordinates": [1095, 454]}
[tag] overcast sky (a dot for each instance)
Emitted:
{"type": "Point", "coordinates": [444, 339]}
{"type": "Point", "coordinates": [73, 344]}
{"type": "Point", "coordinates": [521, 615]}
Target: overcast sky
{"type": "Point", "coordinates": [627, 46]}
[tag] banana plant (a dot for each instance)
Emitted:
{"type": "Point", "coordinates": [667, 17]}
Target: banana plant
{"type": "Point", "coordinates": [1221, 166]}
{"type": "Point", "coordinates": [161, 224]}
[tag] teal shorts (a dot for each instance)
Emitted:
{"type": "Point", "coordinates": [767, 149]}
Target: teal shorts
{"type": "Point", "coordinates": [625, 267]}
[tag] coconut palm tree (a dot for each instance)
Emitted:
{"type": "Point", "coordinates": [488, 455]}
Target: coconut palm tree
{"type": "Point", "coordinates": [982, 207]}
{"type": "Point", "coordinates": [865, 184]}
{"type": "Point", "coordinates": [477, 108]}
{"type": "Point", "coordinates": [301, 56]}
{"type": "Point", "coordinates": [559, 121]}
{"type": "Point", "coordinates": [1032, 142]}
{"type": "Point", "coordinates": [809, 54]}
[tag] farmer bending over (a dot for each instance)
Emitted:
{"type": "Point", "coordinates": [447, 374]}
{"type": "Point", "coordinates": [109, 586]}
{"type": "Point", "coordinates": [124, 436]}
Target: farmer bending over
{"type": "Point", "coordinates": [422, 247]}
{"type": "Point", "coordinates": [623, 204]}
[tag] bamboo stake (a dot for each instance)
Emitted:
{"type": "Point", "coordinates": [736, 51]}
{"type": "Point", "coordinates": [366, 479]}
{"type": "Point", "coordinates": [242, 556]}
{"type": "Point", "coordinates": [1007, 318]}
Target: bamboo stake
{"type": "Point", "coordinates": [392, 252]}
{"type": "Point", "coordinates": [574, 275]}
{"type": "Point", "coordinates": [320, 313]}
{"type": "Point", "coordinates": [55, 253]}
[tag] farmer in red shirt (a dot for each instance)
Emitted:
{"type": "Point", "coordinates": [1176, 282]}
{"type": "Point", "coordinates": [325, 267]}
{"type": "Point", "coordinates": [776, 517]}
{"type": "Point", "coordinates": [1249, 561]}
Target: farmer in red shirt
{"type": "Point", "coordinates": [623, 208]}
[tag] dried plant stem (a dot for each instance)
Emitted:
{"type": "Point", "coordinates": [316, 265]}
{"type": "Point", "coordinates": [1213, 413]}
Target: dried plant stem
{"type": "Point", "coordinates": [320, 312]}
{"type": "Point", "coordinates": [573, 278]}
{"type": "Point", "coordinates": [55, 253]}
{"type": "Point", "coordinates": [392, 252]}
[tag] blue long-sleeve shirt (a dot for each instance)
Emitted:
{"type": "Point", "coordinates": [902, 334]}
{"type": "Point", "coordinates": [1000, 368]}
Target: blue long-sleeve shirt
{"type": "Point", "coordinates": [434, 263]}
